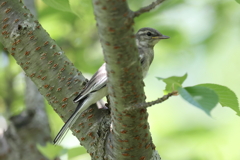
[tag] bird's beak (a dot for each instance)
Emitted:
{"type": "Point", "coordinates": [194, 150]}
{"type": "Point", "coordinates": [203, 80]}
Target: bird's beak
{"type": "Point", "coordinates": [161, 37]}
{"type": "Point", "coordinates": [164, 37]}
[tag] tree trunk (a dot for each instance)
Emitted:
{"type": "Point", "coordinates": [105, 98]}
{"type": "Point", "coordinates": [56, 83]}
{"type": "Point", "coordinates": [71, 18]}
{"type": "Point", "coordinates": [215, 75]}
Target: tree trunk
{"type": "Point", "coordinates": [59, 81]}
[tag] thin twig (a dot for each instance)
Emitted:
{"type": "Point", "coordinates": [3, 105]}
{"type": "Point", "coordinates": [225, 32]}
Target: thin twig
{"type": "Point", "coordinates": [159, 100]}
{"type": "Point", "coordinates": [147, 8]}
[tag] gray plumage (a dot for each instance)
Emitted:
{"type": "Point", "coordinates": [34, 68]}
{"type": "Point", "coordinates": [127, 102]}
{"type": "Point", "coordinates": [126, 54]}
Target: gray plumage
{"type": "Point", "coordinates": [96, 88]}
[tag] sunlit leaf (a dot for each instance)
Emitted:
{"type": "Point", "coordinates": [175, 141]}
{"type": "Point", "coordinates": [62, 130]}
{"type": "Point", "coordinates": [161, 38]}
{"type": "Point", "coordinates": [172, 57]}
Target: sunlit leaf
{"type": "Point", "coordinates": [81, 7]}
{"type": "Point", "coordinates": [227, 98]}
{"type": "Point", "coordinates": [173, 83]}
{"type": "Point", "coordinates": [62, 5]}
{"type": "Point", "coordinates": [202, 97]}
{"type": "Point", "coordinates": [74, 152]}
{"type": "Point", "coordinates": [51, 151]}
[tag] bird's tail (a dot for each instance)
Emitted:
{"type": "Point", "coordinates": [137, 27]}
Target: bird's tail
{"type": "Point", "coordinates": [62, 133]}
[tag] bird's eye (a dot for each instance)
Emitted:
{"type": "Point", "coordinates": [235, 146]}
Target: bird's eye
{"type": "Point", "coordinates": [149, 33]}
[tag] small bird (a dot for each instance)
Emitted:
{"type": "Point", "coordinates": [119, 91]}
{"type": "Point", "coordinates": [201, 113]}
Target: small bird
{"type": "Point", "coordinates": [96, 87]}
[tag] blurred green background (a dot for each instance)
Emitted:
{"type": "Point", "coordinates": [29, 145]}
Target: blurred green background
{"type": "Point", "coordinates": [205, 38]}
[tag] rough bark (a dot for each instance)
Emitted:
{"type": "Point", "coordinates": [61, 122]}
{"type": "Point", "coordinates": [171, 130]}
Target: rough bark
{"type": "Point", "coordinates": [54, 75]}
{"type": "Point", "coordinates": [130, 136]}
{"type": "Point", "coordinates": [30, 127]}
{"type": "Point", "coordinates": [59, 81]}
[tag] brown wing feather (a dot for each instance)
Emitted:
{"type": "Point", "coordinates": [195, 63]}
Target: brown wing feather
{"type": "Point", "coordinates": [98, 81]}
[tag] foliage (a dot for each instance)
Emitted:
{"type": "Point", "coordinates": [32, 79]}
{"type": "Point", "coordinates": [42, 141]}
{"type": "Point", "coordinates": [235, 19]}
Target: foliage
{"type": "Point", "coordinates": [62, 5]}
{"type": "Point", "coordinates": [204, 43]}
{"type": "Point", "coordinates": [52, 151]}
{"type": "Point", "coordinates": [203, 96]}
{"type": "Point", "coordinates": [173, 83]}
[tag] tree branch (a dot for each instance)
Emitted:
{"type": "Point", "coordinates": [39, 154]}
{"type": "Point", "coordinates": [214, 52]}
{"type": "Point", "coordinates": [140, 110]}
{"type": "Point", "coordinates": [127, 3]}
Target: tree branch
{"type": "Point", "coordinates": [159, 100]}
{"type": "Point", "coordinates": [147, 8]}
{"type": "Point", "coordinates": [130, 137]}
{"type": "Point", "coordinates": [31, 126]}
{"type": "Point", "coordinates": [54, 75]}
{"type": "Point", "coordinates": [59, 81]}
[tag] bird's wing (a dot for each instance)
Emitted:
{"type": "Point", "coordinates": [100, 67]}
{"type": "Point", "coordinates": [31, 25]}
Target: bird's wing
{"type": "Point", "coordinates": [98, 81]}
{"type": "Point", "coordinates": [141, 55]}
{"type": "Point", "coordinates": [62, 133]}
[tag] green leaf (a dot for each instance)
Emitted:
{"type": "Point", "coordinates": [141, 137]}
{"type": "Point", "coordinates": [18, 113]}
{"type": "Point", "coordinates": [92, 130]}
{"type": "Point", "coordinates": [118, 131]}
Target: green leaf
{"type": "Point", "coordinates": [74, 152]}
{"type": "Point", "coordinates": [238, 1]}
{"type": "Point", "coordinates": [51, 151]}
{"type": "Point", "coordinates": [173, 83]}
{"type": "Point", "coordinates": [62, 5]}
{"type": "Point", "coordinates": [202, 97]}
{"type": "Point", "coordinates": [81, 7]}
{"type": "Point", "coordinates": [227, 98]}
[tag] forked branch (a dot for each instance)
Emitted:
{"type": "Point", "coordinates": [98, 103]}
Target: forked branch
{"type": "Point", "coordinates": [159, 100]}
{"type": "Point", "coordinates": [147, 8]}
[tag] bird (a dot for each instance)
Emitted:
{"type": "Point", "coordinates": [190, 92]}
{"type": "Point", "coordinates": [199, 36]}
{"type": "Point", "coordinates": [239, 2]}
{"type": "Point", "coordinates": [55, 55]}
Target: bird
{"type": "Point", "coordinates": [96, 87]}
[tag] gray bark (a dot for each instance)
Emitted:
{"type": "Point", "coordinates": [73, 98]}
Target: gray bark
{"type": "Point", "coordinates": [59, 81]}
{"type": "Point", "coordinates": [130, 137]}
{"type": "Point", "coordinates": [29, 127]}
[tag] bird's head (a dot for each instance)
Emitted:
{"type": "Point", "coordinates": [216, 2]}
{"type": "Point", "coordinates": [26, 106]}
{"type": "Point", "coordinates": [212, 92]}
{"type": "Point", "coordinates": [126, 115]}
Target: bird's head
{"type": "Point", "coordinates": [148, 37]}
